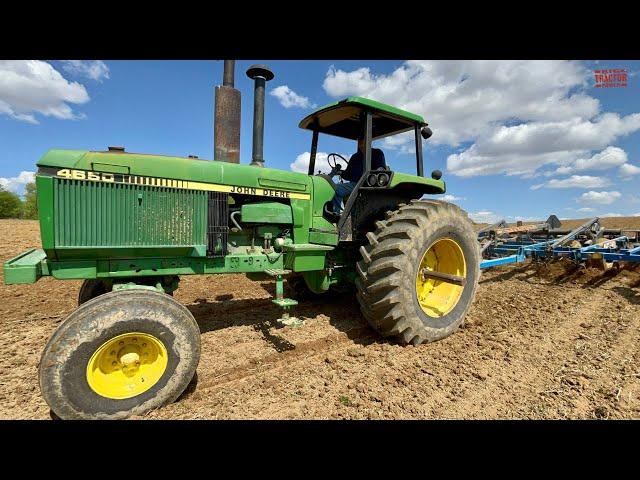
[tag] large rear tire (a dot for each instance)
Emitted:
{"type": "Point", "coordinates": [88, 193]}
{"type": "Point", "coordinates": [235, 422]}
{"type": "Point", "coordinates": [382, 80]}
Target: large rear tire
{"type": "Point", "coordinates": [394, 295]}
{"type": "Point", "coordinates": [299, 290]}
{"type": "Point", "coordinates": [120, 354]}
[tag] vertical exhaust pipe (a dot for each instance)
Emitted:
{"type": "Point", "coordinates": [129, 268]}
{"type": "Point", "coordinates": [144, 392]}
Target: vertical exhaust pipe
{"type": "Point", "coordinates": [228, 74]}
{"type": "Point", "coordinates": [261, 75]}
{"type": "Point", "coordinates": [226, 123]}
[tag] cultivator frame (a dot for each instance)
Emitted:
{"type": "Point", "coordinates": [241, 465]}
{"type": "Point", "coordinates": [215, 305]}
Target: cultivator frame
{"type": "Point", "coordinates": [589, 243]}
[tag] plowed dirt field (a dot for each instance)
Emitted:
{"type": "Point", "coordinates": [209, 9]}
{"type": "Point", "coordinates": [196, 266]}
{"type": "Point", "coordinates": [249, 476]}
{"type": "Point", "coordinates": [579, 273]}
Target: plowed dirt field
{"type": "Point", "coordinates": [540, 341]}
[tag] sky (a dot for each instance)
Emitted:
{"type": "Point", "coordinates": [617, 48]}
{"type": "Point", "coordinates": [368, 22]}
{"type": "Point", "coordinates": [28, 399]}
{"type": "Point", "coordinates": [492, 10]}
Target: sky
{"type": "Point", "coordinates": [515, 140]}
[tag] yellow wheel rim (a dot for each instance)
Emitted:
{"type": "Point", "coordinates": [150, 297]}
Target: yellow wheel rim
{"type": "Point", "coordinates": [127, 365]}
{"type": "Point", "coordinates": [438, 297]}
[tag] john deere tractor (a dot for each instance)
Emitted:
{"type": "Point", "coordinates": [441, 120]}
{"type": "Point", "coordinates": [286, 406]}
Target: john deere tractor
{"type": "Point", "coordinates": [130, 225]}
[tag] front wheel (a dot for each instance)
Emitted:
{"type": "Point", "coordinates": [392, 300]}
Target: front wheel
{"type": "Point", "coordinates": [121, 354]}
{"type": "Point", "coordinates": [419, 273]}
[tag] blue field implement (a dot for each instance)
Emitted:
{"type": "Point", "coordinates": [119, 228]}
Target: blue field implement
{"type": "Point", "coordinates": [590, 242]}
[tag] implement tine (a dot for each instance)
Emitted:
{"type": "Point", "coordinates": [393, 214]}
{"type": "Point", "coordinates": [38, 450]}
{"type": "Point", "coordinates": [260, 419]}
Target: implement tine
{"type": "Point", "coordinates": [571, 235]}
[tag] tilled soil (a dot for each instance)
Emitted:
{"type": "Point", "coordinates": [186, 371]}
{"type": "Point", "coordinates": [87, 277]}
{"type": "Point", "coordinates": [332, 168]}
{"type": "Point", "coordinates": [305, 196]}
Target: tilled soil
{"type": "Point", "coordinates": [540, 341]}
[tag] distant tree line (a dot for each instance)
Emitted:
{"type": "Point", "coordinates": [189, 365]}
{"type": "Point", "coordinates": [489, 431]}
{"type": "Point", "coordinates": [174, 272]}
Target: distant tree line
{"type": "Point", "coordinates": [12, 206]}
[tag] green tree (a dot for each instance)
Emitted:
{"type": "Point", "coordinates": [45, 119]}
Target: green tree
{"type": "Point", "coordinates": [10, 204]}
{"type": "Point", "coordinates": [30, 206]}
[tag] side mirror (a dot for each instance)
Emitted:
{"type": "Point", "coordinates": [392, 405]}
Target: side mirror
{"type": "Point", "coordinates": [426, 132]}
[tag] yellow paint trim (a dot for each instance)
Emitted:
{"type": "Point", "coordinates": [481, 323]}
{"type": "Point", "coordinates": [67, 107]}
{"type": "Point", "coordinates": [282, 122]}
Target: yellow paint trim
{"type": "Point", "coordinates": [257, 191]}
{"type": "Point", "coordinates": [182, 184]}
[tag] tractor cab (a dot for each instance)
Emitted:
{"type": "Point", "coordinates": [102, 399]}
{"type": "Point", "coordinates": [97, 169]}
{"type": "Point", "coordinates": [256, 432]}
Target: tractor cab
{"type": "Point", "coordinates": [378, 187]}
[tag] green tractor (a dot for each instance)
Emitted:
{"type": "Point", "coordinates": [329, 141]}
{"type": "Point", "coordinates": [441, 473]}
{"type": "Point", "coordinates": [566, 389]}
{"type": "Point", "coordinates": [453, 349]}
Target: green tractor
{"type": "Point", "coordinates": [131, 224]}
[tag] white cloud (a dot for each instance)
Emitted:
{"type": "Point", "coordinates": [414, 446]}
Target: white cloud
{"type": "Point", "coordinates": [451, 198]}
{"type": "Point", "coordinates": [522, 219]}
{"type": "Point", "coordinates": [301, 163]}
{"type": "Point", "coordinates": [484, 216]}
{"type": "Point", "coordinates": [627, 170]}
{"type": "Point", "coordinates": [32, 86]}
{"type": "Point", "coordinates": [574, 181]}
{"type": "Point", "coordinates": [607, 158]}
{"type": "Point", "coordinates": [524, 148]}
{"type": "Point", "coordinates": [560, 171]}
{"type": "Point", "coordinates": [610, 215]}
{"type": "Point", "coordinates": [602, 198]}
{"type": "Point", "coordinates": [16, 184]}
{"type": "Point", "coordinates": [472, 162]}
{"type": "Point", "coordinates": [288, 98]}
{"type": "Point", "coordinates": [511, 116]}
{"type": "Point", "coordinates": [586, 209]}
{"type": "Point", "coordinates": [93, 69]}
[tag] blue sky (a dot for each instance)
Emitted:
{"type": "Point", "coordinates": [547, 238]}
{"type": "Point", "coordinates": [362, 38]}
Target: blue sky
{"type": "Point", "coordinates": [514, 139]}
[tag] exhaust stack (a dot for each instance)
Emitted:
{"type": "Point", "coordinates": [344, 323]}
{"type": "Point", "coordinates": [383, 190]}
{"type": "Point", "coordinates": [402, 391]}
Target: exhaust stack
{"type": "Point", "coordinates": [226, 123]}
{"type": "Point", "coordinates": [261, 75]}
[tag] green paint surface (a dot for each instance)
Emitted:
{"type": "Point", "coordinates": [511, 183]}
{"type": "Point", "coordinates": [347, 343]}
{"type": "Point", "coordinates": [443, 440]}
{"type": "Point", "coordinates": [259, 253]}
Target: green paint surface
{"type": "Point", "coordinates": [365, 103]}
{"type": "Point", "coordinates": [95, 229]}
{"type": "Point", "coordinates": [180, 168]}
{"type": "Point", "coordinates": [266, 212]}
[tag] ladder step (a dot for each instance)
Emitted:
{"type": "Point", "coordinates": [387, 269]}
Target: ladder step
{"type": "Point", "coordinates": [274, 272]}
{"type": "Point", "coordinates": [285, 302]}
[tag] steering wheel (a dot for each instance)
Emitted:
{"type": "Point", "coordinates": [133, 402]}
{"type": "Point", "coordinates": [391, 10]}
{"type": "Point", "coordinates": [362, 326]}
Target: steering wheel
{"type": "Point", "coordinates": [335, 161]}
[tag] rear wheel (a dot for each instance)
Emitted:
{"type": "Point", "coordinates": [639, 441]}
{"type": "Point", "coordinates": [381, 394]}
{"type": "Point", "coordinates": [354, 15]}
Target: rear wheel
{"type": "Point", "coordinates": [121, 354]}
{"type": "Point", "coordinates": [300, 291]}
{"type": "Point", "coordinates": [419, 273]}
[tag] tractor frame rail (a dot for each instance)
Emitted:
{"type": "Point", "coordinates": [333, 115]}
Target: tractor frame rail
{"type": "Point", "coordinates": [504, 245]}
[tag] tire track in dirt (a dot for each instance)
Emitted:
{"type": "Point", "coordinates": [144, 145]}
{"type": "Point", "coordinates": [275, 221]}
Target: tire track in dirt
{"type": "Point", "coordinates": [590, 381]}
{"type": "Point", "coordinates": [557, 335]}
{"type": "Point", "coordinates": [549, 340]}
{"type": "Point", "coordinates": [287, 358]}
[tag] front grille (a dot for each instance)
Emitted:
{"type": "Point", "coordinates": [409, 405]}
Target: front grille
{"type": "Point", "coordinates": [95, 214]}
{"type": "Point", "coordinates": [217, 224]}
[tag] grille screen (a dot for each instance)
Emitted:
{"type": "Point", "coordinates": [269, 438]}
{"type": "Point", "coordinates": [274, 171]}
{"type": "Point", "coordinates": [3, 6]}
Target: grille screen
{"type": "Point", "coordinates": [96, 214]}
{"type": "Point", "coordinates": [217, 225]}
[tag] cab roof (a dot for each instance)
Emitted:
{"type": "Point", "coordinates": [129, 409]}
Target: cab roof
{"type": "Point", "coordinates": [342, 119]}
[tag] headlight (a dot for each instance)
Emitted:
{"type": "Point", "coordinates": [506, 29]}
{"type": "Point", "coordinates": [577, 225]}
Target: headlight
{"type": "Point", "coordinates": [383, 179]}
{"type": "Point", "coordinates": [372, 180]}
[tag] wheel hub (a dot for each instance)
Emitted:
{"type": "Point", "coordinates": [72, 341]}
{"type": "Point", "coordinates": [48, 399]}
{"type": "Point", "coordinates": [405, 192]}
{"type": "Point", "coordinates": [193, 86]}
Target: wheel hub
{"type": "Point", "coordinates": [441, 277]}
{"type": "Point", "coordinates": [127, 365]}
{"type": "Point", "coordinates": [130, 363]}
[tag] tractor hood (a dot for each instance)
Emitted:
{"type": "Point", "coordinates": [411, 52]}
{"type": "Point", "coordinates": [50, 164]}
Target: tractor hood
{"type": "Point", "coordinates": [139, 168]}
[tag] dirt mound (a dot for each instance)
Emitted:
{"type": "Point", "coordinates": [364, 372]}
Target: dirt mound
{"type": "Point", "coordinates": [631, 223]}
{"type": "Point", "coordinates": [540, 341]}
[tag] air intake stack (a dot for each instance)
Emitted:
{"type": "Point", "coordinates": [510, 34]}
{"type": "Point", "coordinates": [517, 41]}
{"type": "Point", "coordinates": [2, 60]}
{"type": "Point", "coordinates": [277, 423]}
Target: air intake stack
{"type": "Point", "coordinates": [261, 75]}
{"type": "Point", "coordinates": [226, 128]}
